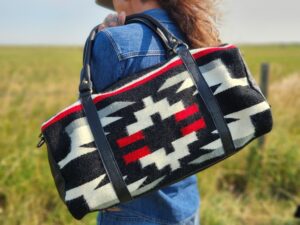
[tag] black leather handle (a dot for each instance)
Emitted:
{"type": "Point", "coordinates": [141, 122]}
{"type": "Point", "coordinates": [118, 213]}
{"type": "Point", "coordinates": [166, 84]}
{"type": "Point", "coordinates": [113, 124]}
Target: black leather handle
{"type": "Point", "coordinates": [182, 50]}
{"type": "Point", "coordinates": [208, 98]}
{"type": "Point", "coordinates": [170, 41]}
{"type": "Point", "coordinates": [102, 144]}
{"type": "Point", "coordinates": [85, 84]}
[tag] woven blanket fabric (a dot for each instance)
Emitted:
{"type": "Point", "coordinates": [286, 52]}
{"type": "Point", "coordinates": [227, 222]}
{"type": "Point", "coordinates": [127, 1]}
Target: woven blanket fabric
{"type": "Point", "coordinates": [158, 127]}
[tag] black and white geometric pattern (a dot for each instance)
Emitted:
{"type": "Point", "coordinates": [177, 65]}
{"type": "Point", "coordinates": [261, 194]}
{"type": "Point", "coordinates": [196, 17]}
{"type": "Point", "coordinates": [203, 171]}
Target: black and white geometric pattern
{"type": "Point", "coordinates": [158, 127]}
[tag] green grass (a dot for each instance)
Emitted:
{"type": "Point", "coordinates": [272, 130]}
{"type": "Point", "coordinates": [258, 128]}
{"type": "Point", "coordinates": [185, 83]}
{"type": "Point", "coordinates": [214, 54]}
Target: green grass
{"type": "Point", "coordinates": [254, 187]}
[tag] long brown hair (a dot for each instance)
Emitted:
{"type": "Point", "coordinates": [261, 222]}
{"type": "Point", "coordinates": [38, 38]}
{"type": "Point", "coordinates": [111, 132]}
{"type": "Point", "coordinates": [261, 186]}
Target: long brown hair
{"type": "Point", "coordinates": [196, 19]}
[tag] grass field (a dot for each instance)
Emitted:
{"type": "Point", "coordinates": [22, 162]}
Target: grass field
{"type": "Point", "coordinates": [254, 187]}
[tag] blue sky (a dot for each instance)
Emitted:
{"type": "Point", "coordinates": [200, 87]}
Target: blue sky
{"type": "Point", "coordinates": [60, 22]}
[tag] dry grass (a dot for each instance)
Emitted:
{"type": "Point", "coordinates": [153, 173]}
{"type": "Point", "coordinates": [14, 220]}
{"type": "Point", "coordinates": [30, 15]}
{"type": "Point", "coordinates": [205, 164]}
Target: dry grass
{"type": "Point", "coordinates": [268, 193]}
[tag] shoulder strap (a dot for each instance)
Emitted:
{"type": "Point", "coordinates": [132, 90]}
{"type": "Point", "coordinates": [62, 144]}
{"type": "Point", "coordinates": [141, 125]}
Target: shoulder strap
{"type": "Point", "coordinates": [101, 142]}
{"type": "Point", "coordinates": [181, 49]}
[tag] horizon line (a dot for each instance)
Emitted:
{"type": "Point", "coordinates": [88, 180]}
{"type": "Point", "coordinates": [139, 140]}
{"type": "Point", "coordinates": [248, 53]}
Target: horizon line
{"type": "Point", "coordinates": [80, 45]}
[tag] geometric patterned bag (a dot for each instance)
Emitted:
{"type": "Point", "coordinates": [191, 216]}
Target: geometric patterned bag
{"type": "Point", "coordinates": [153, 128]}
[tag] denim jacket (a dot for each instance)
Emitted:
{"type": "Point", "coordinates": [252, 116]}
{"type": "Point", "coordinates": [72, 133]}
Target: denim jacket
{"type": "Point", "coordinates": [124, 50]}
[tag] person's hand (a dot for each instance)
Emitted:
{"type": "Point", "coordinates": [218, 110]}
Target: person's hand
{"type": "Point", "coordinates": [113, 20]}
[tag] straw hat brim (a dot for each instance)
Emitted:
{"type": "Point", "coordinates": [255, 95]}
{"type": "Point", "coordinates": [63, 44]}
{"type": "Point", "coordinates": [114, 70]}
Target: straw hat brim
{"type": "Point", "coordinates": [106, 3]}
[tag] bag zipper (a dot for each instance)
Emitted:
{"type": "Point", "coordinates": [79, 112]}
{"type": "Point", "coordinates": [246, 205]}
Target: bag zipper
{"type": "Point", "coordinates": [41, 142]}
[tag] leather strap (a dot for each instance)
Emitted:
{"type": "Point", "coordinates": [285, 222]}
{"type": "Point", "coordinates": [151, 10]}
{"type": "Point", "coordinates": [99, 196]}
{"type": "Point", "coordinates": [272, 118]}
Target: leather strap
{"type": "Point", "coordinates": [105, 150]}
{"type": "Point", "coordinates": [102, 144]}
{"type": "Point", "coordinates": [182, 50]}
{"type": "Point", "coordinates": [169, 40]}
{"type": "Point", "coordinates": [208, 99]}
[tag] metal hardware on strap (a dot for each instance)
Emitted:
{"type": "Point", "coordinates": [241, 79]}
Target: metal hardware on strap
{"type": "Point", "coordinates": [41, 141]}
{"type": "Point", "coordinates": [85, 84]}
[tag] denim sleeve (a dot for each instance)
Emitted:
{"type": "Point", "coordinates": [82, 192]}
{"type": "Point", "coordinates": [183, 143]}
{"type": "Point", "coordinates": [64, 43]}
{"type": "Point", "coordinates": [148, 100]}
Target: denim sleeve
{"type": "Point", "coordinates": [106, 67]}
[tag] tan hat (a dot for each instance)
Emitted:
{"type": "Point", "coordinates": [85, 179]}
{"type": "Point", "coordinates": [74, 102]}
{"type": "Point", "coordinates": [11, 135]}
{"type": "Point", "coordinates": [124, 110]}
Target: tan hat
{"type": "Point", "coordinates": [106, 3]}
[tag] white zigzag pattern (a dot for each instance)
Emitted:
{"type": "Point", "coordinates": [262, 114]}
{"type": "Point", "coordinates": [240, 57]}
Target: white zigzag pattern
{"type": "Point", "coordinates": [161, 159]}
{"type": "Point", "coordinates": [241, 131]}
{"type": "Point", "coordinates": [243, 127]}
{"type": "Point", "coordinates": [105, 195]}
{"type": "Point", "coordinates": [80, 133]}
{"type": "Point", "coordinates": [216, 73]}
{"type": "Point", "coordinates": [143, 116]}
{"type": "Point", "coordinates": [174, 80]}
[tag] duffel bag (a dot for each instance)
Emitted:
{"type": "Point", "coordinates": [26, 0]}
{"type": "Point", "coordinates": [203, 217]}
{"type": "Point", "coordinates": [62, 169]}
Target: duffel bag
{"type": "Point", "coordinates": [153, 128]}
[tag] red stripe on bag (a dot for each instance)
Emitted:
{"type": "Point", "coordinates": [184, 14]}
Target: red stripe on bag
{"type": "Point", "coordinates": [62, 115]}
{"type": "Point", "coordinates": [122, 142]}
{"type": "Point", "coordinates": [212, 50]}
{"type": "Point", "coordinates": [136, 155]}
{"type": "Point", "coordinates": [139, 82]}
{"type": "Point", "coordinates": [101, 97]}
{"type": "Point", "coordinates": [186, 112]}
{"type": "Point", "coordinates": [197, 125]}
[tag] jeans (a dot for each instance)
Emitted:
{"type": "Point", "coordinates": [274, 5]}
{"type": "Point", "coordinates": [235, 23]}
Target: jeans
{"type": "Point", "coordinates": [130, 217]}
